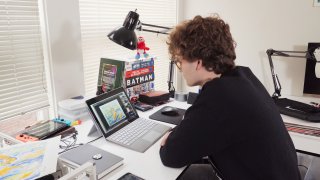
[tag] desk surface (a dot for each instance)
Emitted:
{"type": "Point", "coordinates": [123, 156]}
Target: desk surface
{"type": "Point", "coordinates": [148, 164]}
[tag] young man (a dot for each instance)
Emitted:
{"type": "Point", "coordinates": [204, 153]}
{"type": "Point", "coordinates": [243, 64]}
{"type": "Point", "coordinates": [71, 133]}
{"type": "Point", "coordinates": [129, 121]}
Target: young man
{"type": "Point", "coordinates": [233, 121]}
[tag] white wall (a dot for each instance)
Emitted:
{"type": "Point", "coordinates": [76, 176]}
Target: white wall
{"type": "Point", "coordinates": [63, 48]}
{"type": "Point", "coordinates": [259, 25]}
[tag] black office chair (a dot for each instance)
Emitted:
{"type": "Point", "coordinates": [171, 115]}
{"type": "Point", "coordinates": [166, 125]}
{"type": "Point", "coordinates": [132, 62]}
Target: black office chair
{"type": "Point", "coordinates": [201, 170]}
{"type": "Point", "coordinates": [309, 165]}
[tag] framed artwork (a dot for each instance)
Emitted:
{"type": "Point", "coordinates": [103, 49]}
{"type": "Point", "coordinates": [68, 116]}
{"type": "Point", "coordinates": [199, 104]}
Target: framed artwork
{"type": "Point", "coordinates": [316, 3]}
{"type": "Point", "coordinates": [312, 74]}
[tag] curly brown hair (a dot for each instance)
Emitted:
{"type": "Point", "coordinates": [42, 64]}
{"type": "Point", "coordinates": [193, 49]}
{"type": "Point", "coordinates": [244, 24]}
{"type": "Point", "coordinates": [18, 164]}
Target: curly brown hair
{"type": "Point", "coordinates": [208, 39]}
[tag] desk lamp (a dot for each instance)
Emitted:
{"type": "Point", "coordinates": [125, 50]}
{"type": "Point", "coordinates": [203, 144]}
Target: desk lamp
{"type": "Point", "coordinates": [126, 37]}
{"type": "Point", "coordinates": [287, 106]}
{"type": "Point", "coordinates": [297, 54]}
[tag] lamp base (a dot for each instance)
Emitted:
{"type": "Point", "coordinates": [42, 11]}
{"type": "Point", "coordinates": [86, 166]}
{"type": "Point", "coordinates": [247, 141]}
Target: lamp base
{"type": "Point", "coordinates": [181, 96]}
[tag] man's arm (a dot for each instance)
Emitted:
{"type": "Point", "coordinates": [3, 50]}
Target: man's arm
{"type": "Point", "coordinates": [188, 142]}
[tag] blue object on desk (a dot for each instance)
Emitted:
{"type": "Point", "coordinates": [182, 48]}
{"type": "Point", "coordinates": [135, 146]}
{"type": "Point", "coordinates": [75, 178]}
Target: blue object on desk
{"type": "Point", "coordinates": [65, 121]}
{"type": "Point", "coordinates": [77, 97]}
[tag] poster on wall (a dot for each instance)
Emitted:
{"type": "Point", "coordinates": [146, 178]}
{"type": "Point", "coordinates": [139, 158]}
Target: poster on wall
{"type": "Point", "coordinates": [316, 3]}
{"type": "Point", "coordinates": [312, 73]}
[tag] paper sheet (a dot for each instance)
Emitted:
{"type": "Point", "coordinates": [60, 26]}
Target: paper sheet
{"type": "Point", "coordinates": [29, 160]}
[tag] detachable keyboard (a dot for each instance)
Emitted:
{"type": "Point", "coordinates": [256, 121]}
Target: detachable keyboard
{"type": "Point", "coordinates": [298, 109]}
{"type": "Point", "coordinates": [130, 133]}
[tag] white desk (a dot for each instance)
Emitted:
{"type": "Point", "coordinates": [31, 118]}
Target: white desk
{"type": "Point", "coordinates": [146, 165]}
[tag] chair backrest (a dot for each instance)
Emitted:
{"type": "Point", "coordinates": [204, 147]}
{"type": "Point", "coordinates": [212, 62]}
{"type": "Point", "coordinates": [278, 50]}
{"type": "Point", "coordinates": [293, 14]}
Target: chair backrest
{"type": "Point", "coordinates": [309, 165]}
{"type": "Point", "coordinates": [313, 172]}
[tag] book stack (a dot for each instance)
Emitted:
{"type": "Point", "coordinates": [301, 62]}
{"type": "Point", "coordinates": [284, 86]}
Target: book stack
{"type": "Point", "coordinates": [136, 76]}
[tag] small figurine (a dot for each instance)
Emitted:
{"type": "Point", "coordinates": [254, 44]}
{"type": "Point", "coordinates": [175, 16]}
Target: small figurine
{"type": "Point", "coordinates": [141, 48]}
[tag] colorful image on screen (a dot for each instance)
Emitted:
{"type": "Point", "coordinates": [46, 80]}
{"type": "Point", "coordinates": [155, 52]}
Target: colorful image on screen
{"type": "Point", "coordinates": [112, 112]}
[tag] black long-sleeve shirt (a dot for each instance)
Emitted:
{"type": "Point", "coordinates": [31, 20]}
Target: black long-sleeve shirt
{"type": "Point", "coordinates": [236, 123]}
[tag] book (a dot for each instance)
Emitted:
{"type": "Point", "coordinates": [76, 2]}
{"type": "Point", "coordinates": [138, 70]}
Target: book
{"type": "Point", "coordinates": [82, 154]}
{"type": "Point", "coordinates": [135, 75]}
{"type": "Point", "coordinates": [110, 75]}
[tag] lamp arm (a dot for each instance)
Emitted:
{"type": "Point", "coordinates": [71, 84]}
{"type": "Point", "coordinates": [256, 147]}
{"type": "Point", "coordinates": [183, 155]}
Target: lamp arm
{"type": "Point", "coordinates": [276, 82]}
{"type": "Point", "coordinates": [140, 24]}
{"type": "Point", "coordinates": [151, 25]}
{"type": "Point", "coordinates": [171, 88]}
{"type": "Point", "coordinates": [306, 54]}
{"type": "Point", "coordinates": [158, 32]}
{"type": "Point", "coordinates": [272, 52]}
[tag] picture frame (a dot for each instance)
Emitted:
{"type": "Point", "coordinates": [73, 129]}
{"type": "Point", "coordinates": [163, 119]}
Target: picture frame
{"type": "Point", "coordinates": [312, 77]}
{"type": "Point", "coordinates": [316, 3]}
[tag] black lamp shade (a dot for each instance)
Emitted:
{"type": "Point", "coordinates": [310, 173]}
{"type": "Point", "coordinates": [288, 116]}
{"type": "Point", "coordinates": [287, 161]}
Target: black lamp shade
{"type": "Point", "coordinates": [125, 35]}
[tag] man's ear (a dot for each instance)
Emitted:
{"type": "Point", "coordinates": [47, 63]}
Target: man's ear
{"type": "Point", "coordinates": [199, 64]}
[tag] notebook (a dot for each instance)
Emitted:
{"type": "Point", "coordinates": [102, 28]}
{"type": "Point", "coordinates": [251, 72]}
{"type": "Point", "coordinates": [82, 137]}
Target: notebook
{"type": "Point", "coordinates": [105, 163]}
{"type": "Point", "coordinates": [118, 121]}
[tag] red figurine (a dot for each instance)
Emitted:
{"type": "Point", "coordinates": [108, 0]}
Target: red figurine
{"type": "Point", "coordinates": [141, 48]}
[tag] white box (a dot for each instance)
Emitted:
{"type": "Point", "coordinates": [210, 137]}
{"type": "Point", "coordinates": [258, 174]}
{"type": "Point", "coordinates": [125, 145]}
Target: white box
{"type": "Point", "coordinates": [73, 104]}
{"type": "Point", "coordinates": [73, 109]}
{"type": "Point", "coordinates": [71, 117]}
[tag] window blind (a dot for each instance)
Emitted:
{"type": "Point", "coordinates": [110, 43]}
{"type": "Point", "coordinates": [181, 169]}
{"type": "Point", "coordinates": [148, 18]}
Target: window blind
{"type": "Point", "coordinates": [22, 75]}
{"type": "Point", "coordinates": [99, 17]}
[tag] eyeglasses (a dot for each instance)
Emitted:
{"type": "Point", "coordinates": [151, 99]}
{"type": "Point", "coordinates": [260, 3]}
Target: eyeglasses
{"type": "Point", "coordinates": [178, 64]}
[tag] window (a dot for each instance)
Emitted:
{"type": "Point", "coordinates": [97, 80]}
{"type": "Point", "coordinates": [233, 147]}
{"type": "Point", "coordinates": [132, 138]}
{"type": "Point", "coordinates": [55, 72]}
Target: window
{"type": "Point", "coordinates": [99, 17]}
{"type": "Point", "coordinates": [22, 74]}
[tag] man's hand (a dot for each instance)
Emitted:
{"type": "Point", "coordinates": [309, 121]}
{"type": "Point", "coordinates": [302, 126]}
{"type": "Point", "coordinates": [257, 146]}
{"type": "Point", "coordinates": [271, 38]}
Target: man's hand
{"type": "Point", "coordinates": [164, 139]}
